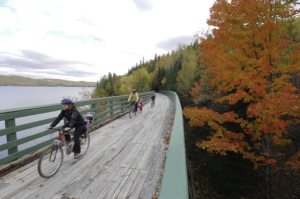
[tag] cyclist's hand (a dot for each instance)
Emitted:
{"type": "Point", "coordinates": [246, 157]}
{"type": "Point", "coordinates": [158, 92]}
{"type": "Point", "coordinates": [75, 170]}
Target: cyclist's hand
{"type": "Point", "coordinates": [67, 129]}
{"type": "Point", "coordinates": [49, 127]}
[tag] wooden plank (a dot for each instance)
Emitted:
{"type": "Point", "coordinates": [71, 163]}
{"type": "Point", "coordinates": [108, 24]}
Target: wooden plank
{"type": "Point", "coordinates": [135, 175]}
{"type": "Point", "coordinates": [150, 184]}
{"type": "Point", "coordinates": [128, 175]}
{"type": "Point", "coordinates": [138, 185]}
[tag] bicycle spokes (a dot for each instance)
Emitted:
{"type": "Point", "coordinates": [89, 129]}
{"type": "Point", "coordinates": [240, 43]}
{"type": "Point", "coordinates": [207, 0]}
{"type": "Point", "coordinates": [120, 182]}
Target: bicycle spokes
{"type": "Point", "coordinates": [50, 161]}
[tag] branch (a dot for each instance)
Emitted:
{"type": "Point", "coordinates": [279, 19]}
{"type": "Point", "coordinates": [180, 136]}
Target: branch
{"type": "Point", "coordinates": [292, 39]}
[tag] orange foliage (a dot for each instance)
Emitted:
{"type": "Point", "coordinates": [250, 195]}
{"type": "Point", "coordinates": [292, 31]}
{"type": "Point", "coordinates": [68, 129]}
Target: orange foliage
{"type": "Point", "coordinates": [245, 58]}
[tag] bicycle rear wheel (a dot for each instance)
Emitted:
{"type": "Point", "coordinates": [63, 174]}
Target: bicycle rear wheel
{"type": "Point", "coordinates": [84, 143]}
{"type": "Point", "coordinates": [50, 161]}
{"type": "Point", "coordinates": [130, 111]}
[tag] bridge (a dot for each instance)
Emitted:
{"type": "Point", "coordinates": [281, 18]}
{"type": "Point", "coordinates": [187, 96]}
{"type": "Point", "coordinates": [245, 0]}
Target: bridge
{"type": "Point", "coordinates": [140, 158]}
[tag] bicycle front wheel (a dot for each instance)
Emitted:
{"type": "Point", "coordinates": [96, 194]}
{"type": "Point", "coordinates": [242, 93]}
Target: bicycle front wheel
{"type": "Point", "coordinates": [84, 143]}
{"type": "Point", "coordinates": [50, 161]}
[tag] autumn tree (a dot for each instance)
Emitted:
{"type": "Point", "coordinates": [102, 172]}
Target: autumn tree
{"type": "Point", "coordinates": [247, 62]}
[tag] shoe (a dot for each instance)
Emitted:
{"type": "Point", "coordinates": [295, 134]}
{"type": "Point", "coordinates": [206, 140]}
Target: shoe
{"type": "Point", "coordinates": [77, 155]}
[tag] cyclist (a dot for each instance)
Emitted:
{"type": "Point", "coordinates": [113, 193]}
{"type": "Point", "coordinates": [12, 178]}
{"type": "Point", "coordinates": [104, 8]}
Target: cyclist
{"type": "Point", "coordinates": [140, 104]}
{"type": "Point", "coordinates": [153, 97]}
{"type": "Point", "coordinates": [75, 119]}
{"type": "Point", "coordinates": [134, 97]}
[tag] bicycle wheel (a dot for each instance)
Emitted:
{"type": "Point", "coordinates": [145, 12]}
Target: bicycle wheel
{"type": "Point", "coordinates": [84, 143]}
{"type": "Point", "coordinates": [130, 112]}
{"type": "Point", "coordinates": [50, 161]}
{"type": "Point", "coordinates": [152, 104]}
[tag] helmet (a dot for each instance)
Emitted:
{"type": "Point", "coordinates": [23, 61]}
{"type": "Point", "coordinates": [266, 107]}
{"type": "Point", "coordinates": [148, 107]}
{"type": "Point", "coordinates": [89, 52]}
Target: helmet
{"type": "Point", "coordinates": [153, 94]}
{"type": "Point", "coordinates": [66, 101]}
{"type": "Point", "coordinates": [133, 90]}
{"type": "Point", "coordinates": [141, 100]}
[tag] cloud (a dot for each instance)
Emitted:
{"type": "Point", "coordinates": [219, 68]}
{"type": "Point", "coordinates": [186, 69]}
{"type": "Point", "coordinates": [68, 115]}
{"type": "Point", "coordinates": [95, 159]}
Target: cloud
{"type": "Point", "coordinates": [143, 5]}
{"type": "Point", "coordinates": [112, 35]}
{"type": "Point", "coordinates": [172, 43]}
{"type": "Point", "coordinates": [3, 3]}
{"type": "Point", "coordinates": [86, 21]}
{"type": "Point", "coordinates": [34, 62]}
{"type": "Point", "coordinates": [98, 39]}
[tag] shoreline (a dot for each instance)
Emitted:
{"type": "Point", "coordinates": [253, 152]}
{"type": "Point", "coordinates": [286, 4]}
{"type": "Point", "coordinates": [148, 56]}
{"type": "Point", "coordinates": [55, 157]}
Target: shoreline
{"type": "Point", "coordinates": [41, 86]}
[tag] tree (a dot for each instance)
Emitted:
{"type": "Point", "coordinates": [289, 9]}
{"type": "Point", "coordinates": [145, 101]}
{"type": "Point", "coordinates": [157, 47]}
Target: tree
{"type": "Point", "coordinates": [141, 80]}
{"type": "Point", "coordinates": [185, 76]}
{"type": "Point", "coordinates": [245, 57]}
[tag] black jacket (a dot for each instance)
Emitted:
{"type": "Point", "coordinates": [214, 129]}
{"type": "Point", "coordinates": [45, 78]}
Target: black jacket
{"type": "Point", "coordinates": [72, 115]}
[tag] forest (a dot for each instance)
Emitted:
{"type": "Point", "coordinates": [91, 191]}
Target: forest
{"type": "Point", "coordinates": [238, 84]}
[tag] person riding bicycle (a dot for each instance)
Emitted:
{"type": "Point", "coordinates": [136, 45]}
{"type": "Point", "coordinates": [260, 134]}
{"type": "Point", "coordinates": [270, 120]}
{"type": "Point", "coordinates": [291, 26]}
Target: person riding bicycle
{"type": "Point", "coordinates": [153, 97]}
{"type": "Point", "coordinates": [140, 105]}
{"type": "Point", "coordinates": [75, 119]}
{"type": "Point", "coordinates": [134, 97]}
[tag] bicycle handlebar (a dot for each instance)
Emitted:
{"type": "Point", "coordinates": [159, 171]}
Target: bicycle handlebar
{"type": "Point", "coordinates": [59, 129]}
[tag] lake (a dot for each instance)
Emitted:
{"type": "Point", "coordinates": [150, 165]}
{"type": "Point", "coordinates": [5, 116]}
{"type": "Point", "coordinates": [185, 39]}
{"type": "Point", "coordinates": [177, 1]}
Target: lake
{"type": "Point", "coordinates": [25, 96]}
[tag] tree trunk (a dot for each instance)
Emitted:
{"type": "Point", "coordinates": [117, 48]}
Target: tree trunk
{"type": "Point", "coordinates": [268, 172]}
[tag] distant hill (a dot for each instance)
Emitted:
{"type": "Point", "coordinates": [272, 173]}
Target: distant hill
{"type": "Point", "coordinates": [24, 81]}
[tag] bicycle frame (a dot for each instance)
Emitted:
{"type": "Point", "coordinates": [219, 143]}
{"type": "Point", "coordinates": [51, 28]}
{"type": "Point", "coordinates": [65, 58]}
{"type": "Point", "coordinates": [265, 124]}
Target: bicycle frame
{"type": "Point", "coordinates": [59, 140]}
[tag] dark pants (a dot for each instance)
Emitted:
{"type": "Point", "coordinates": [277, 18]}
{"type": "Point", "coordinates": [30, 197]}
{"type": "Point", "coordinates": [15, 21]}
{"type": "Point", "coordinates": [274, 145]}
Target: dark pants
{"type": "Point", "coordinates": [78, 131]}
{"type": "Point", "coordinates": [135, 104]}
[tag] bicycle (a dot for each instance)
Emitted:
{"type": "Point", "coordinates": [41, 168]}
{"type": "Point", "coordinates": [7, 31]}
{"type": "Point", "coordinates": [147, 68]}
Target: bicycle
{"type": "Point", "coordinates": [152, 103]}
{"type": "Point", "coordinates": [52, 157]}
{"type": "Point", "coordinates": [132, 110]}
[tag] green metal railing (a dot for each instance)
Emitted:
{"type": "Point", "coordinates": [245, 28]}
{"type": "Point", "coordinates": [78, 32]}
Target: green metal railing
{"type": "Point", "coordinates": [10, 115]}
{"type": "Point", "coordinates": [174, 181]}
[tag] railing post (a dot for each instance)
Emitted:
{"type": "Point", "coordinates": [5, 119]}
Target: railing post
{"type": "Point", "coordinates": [111, 107]}
{"type": "Point", "coordinates": [122, 105]}
{"type": "Point", "coordinates": [94, 106]}
{"type": "Point", "coordinates": [12, 136]}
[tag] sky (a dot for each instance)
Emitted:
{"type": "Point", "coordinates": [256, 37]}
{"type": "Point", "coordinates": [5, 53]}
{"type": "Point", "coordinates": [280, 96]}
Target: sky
{"type": "Point", "coordinates": [83, 40]}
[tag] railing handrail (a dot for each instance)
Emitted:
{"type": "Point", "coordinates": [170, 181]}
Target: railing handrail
{"type": "Point", "coordinates": [174, 183]}
{"type": "Point", "coordinates": [14, 113]}
{"type": "Point", "coordinates": [10, 130]}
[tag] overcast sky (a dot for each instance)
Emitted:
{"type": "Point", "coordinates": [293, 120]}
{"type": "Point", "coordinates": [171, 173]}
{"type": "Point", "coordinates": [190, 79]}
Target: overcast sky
{"type": "Point", "coordinates": [83, 40]}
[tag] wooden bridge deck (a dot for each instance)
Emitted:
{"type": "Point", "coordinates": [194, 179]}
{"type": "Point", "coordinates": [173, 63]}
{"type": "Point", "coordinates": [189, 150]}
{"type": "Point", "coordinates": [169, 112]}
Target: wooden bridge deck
{"type": "Point", "coordinates": [124, 160]}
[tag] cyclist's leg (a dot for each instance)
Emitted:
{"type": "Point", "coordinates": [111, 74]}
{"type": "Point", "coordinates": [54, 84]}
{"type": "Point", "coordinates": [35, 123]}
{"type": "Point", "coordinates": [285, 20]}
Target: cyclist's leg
{"type": "Point", "coordinates": [78, 131]}
{"type": "Point", "coordinates": [136, 105]}
{"type": "Point", "coordinates": [67, 137]}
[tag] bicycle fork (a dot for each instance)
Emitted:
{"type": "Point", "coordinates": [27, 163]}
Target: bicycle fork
{"type": "Point", "coordinates": [55, 147]}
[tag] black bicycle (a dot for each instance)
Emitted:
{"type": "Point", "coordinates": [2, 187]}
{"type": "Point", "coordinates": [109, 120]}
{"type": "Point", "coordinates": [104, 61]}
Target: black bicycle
{"type": "Point", "coordinates": [152, 103]}
{"type": "Point", "coordinates": [132, 109]}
